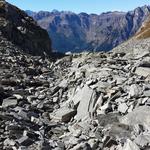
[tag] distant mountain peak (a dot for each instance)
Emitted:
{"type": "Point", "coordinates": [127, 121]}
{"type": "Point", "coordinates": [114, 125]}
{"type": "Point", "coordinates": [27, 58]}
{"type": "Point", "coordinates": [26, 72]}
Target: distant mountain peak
{"type": "Point", "coordinates": [91, 32]}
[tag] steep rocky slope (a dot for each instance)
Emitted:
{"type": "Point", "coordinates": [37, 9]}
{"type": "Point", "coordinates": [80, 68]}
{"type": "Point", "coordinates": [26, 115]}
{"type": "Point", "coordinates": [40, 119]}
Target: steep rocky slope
{"type": "Point", "coordinates": [78, 32]}
{"type": "Point", "coordinates": [144, 31]}
{"type": "Point", "coordinates": [22, 30]}
{"type": "Point", "coordinates": [139, 44]}
{"type": "Point", "coordinates": [90, 101]}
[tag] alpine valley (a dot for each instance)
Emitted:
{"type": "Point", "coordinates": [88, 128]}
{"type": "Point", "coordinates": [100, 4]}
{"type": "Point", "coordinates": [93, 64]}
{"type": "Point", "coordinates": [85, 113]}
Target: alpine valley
{"type": "Point", "coordinates": [90, 32]}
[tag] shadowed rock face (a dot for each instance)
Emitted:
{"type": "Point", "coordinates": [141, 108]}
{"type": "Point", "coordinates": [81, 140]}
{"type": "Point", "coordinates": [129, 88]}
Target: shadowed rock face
{"type": "Point", "coordinates": [78, 32]}
{"type": "Point", "coordinates": [22, 30]}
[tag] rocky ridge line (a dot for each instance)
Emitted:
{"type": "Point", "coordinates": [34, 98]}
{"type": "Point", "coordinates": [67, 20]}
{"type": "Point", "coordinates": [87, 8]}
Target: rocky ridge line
{"type": "Point", "coordinates": [91, 32]}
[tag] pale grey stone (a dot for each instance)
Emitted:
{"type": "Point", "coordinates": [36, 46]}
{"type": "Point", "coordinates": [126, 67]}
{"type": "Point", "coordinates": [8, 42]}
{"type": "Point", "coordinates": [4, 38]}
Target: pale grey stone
{"type": "Point", "coordinates": [123, 108]}
{"type": "Point", "coordinates": [86, 100]}
{"type": "Point", "coordinates": [143, 140]}
{"type": "Point", "coordinates": [119, 131]}
{"type": "Point", "coordinates": [8, 142]}
{"type": "Point", "coordinates": [135, 90]}
{"type": "Point", "coordinates": [55, 99]}
{"type": "Point", "coordinates": [63, 114]}
{"type": "Point", "coordinates": [143, 71]}
{"type": "Point", "coordinates": [19, 97]}
{"type": "Point", "coordinates": [129, 145]}
{"type": "Point", "coordinates": [9, 102]}
{"type": "Point", "coordinates": [139, 115]}
{"type": "Point", "coordinates": [77, 133]}
{"type": "Point", "coordinates": [147, 93]}
{"type": "Point", "coordinates": [63, 84]}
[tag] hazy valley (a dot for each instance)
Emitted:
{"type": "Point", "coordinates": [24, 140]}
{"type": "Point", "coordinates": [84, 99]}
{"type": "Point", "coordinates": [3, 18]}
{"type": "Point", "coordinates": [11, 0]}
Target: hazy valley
{"type": "Point", "coordinates": [90, 32]}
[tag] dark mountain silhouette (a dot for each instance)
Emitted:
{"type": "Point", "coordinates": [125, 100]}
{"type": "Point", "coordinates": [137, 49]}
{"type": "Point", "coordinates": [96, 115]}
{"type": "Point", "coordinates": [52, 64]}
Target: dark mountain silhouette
{"type": "Point", "coordinates": [16, 26]}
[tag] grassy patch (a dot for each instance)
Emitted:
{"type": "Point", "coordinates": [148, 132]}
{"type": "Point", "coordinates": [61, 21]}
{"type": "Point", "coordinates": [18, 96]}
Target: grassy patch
{"type": "Point", "coordinates": [144, 31]}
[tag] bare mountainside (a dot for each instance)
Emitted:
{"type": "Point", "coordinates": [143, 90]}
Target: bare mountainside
{"type": "Point", "coordinates": [139, 44]}
{"type": "Point", "coordinates": [144, 31]}
{"type": "Point", "coordinates": [79, 32]}
{"type": "Point", "coordinates": [16, 26]}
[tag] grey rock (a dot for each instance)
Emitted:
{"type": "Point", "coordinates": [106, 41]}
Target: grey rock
{"type": "Point", "coordinates": [129, 145]}
{"type": "Point", "coordinates": [145, 61]}
{"type": "Point", "coordinates": [147, 93]}
{"type": "Point", "coordinates": [120, 80]}
{"type": "Point", "coordinates": [143, 140]}
{"type": "Point", "coordinates": [19, 97]}
{"type": "Point", "coordinates": [108, 119]}
{"type": "Point", "coordinates": [84, 146]}
{"type": "Point", "coordinates": [139, 115]}
{"type": "Point", "coordinates": [119, 131]}
{"type": "Point", "coordinates": [135, 90]}
{"type": "Point", "coordinates": [25, 141]}
{"type": "Point", "coordinates": [63, 114]}
{"type": "Point", "coordinates": [123, 108]}
{"type": "Point", "coordinates": [120, 100]}
{"type": "Point", "coordinates": [9, 142]}
{"type": "Point", "coordinates": [77, 133]}
{"type": "Point", "coordinates": [93, 143]}
{"type": "Point", "coordinates": [73, 141]}
{"type": "Point", "coordinates": [24, 114]}
{"type": "Point", "coordinates": [41, 96]}
{"type": "Point", "coordinates": [63, 84]}
{"type": "Point", "coordinates": [87, 98]}
{"type": "Point", "coordinates": [143, 71]}
{"type": "Point", "coordinates": [43, 145]}
{"type": "Point", "coordinates": [102, 85]}
{"type": "Point", "coordinates": [109, 142]}
{"type": "Point", "coordinates": [9, 102]}
{"type": "Point", "coordinates": [55, 99]}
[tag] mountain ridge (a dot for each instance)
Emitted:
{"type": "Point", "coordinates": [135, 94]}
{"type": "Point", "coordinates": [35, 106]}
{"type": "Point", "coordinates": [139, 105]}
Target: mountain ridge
{"type": "Point", "coordinates": [90, 32]}
{"type": "Point", "coordinates": [138, 45]}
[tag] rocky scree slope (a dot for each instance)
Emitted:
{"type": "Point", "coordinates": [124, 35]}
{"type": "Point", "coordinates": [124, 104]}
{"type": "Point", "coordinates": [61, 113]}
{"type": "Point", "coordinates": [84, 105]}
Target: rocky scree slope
{"type": "Point", "coordinates": [79, 32]}
{"type": "Point", "coordinates": [22, 30]}
{"type": "Point", "coordinates": [87, 101]}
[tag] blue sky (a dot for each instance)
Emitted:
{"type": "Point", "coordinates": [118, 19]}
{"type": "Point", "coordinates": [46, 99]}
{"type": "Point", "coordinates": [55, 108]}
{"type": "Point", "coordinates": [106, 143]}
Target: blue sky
{"type": "Point", "coordinates": [89, 6]}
